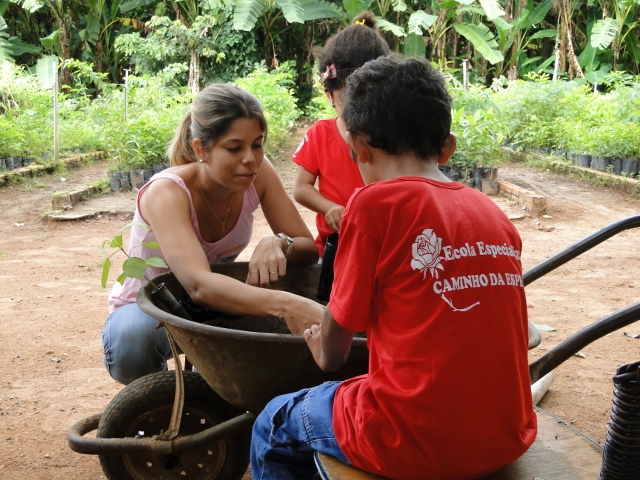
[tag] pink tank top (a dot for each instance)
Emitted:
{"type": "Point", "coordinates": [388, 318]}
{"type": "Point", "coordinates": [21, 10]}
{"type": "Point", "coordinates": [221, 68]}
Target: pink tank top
{"type": "Point", "coordinates": [224, 250]}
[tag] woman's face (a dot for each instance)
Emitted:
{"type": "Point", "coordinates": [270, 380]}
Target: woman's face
{"type": "Point", "coordinates": [235, 159]}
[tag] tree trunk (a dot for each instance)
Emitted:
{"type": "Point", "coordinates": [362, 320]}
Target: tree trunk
{"type": "Point", "coordinates": [194, 72]}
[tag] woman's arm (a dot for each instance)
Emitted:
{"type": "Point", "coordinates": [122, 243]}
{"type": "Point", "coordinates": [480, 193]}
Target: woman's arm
{"type": "Point", "coordinates": [306, 194]}
{"type": "Point", "coordinates": [329, 342]}
{"type": "Point", "coordinates": [165, 206]}
{"type": "Point", "coordinates": [283, 217]}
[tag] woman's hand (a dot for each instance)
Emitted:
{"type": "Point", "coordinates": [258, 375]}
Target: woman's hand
{"type": "Point", "coordinates": [268, 262]}
{"type": "Point", "coordinates": [302, 313]}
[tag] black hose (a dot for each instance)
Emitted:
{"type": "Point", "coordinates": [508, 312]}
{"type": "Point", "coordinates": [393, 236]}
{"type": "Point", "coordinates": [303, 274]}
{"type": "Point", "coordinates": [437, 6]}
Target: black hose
{"type": "Point", "coordinates": [621, 459]}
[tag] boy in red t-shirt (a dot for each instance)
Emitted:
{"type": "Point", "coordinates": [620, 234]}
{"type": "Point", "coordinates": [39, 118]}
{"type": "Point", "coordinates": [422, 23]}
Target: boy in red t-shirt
{"type": "Point", "coordinates": [431, 270]}
{"type": "Point", "coordinates": [324, 155]}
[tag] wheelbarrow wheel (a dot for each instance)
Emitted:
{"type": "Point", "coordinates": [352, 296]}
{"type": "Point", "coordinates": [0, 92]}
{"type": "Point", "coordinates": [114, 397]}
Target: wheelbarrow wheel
{"type": "Point", "coordinates": [143, 409]}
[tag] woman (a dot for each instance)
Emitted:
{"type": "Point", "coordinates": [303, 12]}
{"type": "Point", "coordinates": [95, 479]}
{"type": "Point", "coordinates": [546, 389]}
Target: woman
{"type": "Point", "coordinates": [200, 211]}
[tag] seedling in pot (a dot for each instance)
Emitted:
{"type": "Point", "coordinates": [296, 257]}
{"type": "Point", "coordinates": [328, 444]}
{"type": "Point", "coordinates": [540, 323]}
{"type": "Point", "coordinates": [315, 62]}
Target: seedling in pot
{"type": "Point", "coordinates": [133, 267]}
{"type": "Point", "coordinates": [136, 267]}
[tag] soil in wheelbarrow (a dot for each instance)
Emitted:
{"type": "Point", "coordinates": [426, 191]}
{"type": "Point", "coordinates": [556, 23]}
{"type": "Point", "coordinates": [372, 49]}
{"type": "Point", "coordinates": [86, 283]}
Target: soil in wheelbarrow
{"type": "Point", "coordinates": [52, 307]}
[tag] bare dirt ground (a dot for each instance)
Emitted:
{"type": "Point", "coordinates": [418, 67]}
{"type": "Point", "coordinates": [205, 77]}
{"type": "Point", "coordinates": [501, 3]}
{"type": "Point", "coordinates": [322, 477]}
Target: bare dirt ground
{"type": "Point", "coordinates": [52, 308]}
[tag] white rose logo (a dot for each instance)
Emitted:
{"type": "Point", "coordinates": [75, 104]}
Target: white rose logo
{"type": "Point", "coordinates": [426, 253]}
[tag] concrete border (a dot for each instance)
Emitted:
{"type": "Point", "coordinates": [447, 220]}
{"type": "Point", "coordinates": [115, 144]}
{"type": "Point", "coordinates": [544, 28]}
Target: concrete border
{"type": "Point", "coordinates": [535, 204]}
{"type": "Point", "coordinates": [34, 168]}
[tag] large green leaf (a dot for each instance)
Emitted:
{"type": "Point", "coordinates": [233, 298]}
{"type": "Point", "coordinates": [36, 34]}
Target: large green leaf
{"type": "Point", "coordinates": [492, 9]}
{"type": "Point", "coordinates": [603, 33]}
{"type": "Point", "coordinates": [134, 267]}
{"type": "Point", "coordinates": [399, 6]}
{"type": "Point", "coordinates": [17, 47]}
{"type": "Point", "coordinates": [549, 33]}
{"type": "Point", "coordinates": [420, 21]}
{"type": "Point", "coordinates": [387, 26]}
{"type": "Point", "coordinates": [292, 10]}
{"type": "Point", "coordinates": [414, 46]}
{"type": "Point", "coordinates": [133, 4]}
{"type": "Point", "coordinates": [539, 13]}
{"type": "Point", "coordinates": [315, 9]}
{"type": "Point", "coordinates": [482, 39]}
{"type": "Point", "coordinates": [246, 14]}
{"type": "Point", "coordinates": [46, 70]}
{"type": "Point", "coordinates": [353, 7]}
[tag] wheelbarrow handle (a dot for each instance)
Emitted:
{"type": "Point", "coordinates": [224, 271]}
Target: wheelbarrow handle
{"type": "Point", "coordinates": [576, 342]}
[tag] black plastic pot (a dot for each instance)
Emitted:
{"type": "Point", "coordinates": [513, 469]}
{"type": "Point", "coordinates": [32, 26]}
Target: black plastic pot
{"type": "Point", "coordinates": [600, 163]}
{"type": "Point", "coordinates": [616, 163]}
{"type": "Point", "coordinates": [115, 182]}
{"type": "Point", "coordinates": [584, 160]}
{"type": "Point", "coordinates": [630, 166]}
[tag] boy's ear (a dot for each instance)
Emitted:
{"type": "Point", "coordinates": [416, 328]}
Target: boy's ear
{"type": "Point", "coordinates": [359, 147]}
{"type": "Point", "coordinates": [448, 149]}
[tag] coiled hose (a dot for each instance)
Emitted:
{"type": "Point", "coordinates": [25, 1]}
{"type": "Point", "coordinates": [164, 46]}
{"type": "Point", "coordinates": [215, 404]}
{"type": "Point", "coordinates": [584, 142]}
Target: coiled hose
{"type": "Point", "coordinates": [621, 459]}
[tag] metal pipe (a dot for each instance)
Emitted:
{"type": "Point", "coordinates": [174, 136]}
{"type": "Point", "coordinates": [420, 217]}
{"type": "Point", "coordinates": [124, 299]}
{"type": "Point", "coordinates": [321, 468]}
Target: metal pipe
{"type": "Point", "coordinates": [131, 445]}
{"type": "Point", "coordinates": [580, 247]}
{"type": "Point", "coordinates": [581, 339]}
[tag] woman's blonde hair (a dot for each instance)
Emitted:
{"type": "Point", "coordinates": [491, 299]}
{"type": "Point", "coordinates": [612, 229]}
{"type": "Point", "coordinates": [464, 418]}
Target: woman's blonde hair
{"type": "Point", "coordinates": [210, 116]}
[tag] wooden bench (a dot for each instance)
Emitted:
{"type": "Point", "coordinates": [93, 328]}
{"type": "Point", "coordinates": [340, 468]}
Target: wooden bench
{"type": "Point", "coordinates": [560, 452]}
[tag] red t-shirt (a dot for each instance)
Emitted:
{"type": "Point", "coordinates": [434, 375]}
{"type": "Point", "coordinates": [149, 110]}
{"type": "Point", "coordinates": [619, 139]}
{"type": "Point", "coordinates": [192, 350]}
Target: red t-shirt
{"type": "Point", "coordinates": [324, 153]}
{"type": "Point", "coordinates": [432, 271]}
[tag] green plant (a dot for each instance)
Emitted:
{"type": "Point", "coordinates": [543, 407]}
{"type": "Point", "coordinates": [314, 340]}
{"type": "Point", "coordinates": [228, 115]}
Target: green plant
{"type": "Point", "coordinates": [274, 88]}
{"type": "Point", "coordinates": [133, 267]}
{"type": "Point", "coordinates": [479, 139]}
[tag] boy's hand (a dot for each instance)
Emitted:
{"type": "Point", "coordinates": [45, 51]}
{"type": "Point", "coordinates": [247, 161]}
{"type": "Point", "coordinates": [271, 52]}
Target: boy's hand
{"type": "Point", "coordinates": [302, 313]}
{"type": "Point", "coordinates": [333, 217]}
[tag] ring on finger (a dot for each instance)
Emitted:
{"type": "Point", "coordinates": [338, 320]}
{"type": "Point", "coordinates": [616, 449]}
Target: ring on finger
{"type": "Point", "coordinates": [272, 273]}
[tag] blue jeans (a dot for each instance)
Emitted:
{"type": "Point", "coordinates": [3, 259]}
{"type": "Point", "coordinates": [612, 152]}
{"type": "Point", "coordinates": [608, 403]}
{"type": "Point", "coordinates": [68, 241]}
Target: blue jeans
{"type": "Point", "coordinates": [288, 432]}
{"type": "Point", "coordinates": [133, 345]}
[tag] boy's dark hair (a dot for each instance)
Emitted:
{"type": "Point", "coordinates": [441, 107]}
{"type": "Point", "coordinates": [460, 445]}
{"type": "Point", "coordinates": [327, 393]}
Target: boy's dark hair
{"type": "Point", "coordinates": [348, 50]}
{"type": "Point", "coordinates": [399, 105]}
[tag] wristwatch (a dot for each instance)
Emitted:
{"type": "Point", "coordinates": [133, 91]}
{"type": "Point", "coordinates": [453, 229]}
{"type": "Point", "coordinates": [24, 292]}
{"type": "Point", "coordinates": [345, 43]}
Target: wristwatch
{"type": "Point", "coordinates": [289, 241]}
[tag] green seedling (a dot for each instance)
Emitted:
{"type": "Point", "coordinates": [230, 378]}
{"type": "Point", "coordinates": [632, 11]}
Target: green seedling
{"type": "Point", "coordinates": [133, 267]}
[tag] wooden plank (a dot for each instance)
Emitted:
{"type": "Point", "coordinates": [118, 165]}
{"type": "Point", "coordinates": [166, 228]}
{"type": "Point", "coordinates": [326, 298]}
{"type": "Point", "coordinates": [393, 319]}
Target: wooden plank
{"type": "Point", "coordinates": [560, 452]}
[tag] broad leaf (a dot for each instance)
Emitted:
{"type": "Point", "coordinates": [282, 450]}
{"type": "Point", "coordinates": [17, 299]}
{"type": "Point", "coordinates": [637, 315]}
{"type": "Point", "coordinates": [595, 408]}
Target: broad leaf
{"type": "Point", "coordinates": [419, 22]}
{"type": "Point", "coordinates": [153, 245]}
{"type": "Point", "coordinates": [31, 5]}
{"type": "Point", "coordinates": [50, 41]}
{"type": "Point", "coordinates": [603, 33]}
{"type": "Point", "coordinates": [353, 7]}
{"type": "Point", "coordinates": [292, 10]}
{"type": "Point", "coordinates": [530, 61]}
{"type": "Point", "coordinates": [502, 24]}
{"type": "Point", "coordinates": [539, 13]}
{"type": "Point", "coordinates": [549, 33]}
{"type": "Point", "coordinates": [482, 39]}
{"type": "Point", "coordinates": [156, 262]}
{"type": "Point", "coordinates": [414, 46]}
{"type": "Point", "coordinates": [17, 47]}
{"type": "Point", "coordinates": [246, 14]}
{"type": "Point", "coordinates": [106, 266]}
{"type": "Point", "coordinates": [315, 9]}
{"type": "Point", "coordinates": [116, 242]}
{"type": "Point", "coordinates": [387, 26]}
{"type": "Point", "coordinates": [133, 4]}
{"type": "Point", "coordinates": [492, 9]}
{"type": "Point", "coordinates": [399, 6]}
{"type": "Point", "coordinates": [134, 267]}
{"type": "Point", "coordinates": [46, 70]}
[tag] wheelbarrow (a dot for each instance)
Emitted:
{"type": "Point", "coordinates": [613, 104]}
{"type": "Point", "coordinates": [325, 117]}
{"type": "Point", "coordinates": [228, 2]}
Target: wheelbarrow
{"type": "Point", "coordinates": [197, 424]}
